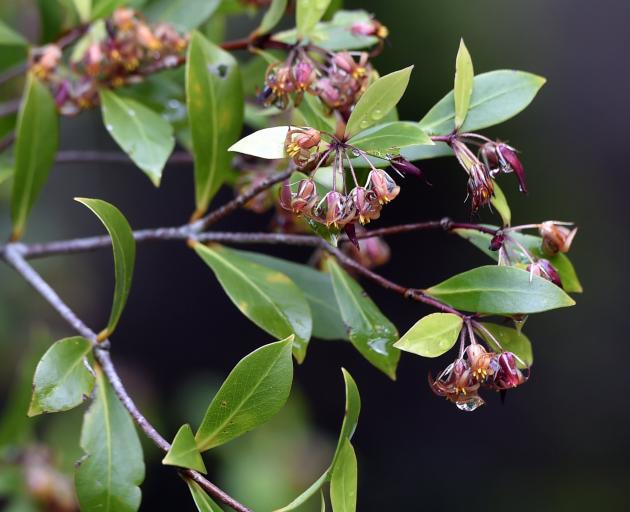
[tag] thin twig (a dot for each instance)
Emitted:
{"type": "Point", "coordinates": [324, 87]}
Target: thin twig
{"type": "Point", "coordinates": [13, 254]}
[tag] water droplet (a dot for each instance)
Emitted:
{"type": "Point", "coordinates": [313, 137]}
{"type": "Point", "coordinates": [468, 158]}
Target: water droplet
{"type": "Point", "coordinates": [364, 124]}
{"type": "Point", "coordinates": [109, 127]}
{"type": "Point", "coordinates": [379, 345]}
{"type": "Point", "coordinates": [356, 152]}
{"type": "Point", "coordinates": [377, 114]}
{"type": "Point", "coordinates": [131, 112]}
{"type": "Point", "coordinates": [469, 405]}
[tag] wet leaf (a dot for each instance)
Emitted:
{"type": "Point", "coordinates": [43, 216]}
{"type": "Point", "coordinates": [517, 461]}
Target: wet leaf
{"type": "Point", "coordinates": [203, 502]}
{"type": "Point", "coordinates": [272, 17]}
{"type": "Point", "coordinates": [432, 335]}
{"type": "Point", "coordinates": [185, 15]}
{"type": "Point", "coordinates": [568, 277]}
{"type": "Point", "coordinates": [63, 378]}
{"type": "Point", "coordinates": [308, 14]}
{"type": "Point", "coordinates": [266, 143]}
{"type": "Point", "coordinates": [500, 204]}
{"type": "Point", "coordinates": [370, 331]}
{"type": "Point", "coordinates": [124, 248]}
{"type": "Point", "coordinates": [379, 99]}
{"type": "Point", "coordinates": [254, 391]}
{"type": "Point", "coordinates": [37, 137]}
{"type": "Point", "coordinates": [108, 478]}
{"type": "Point", "coordinates": [497, 96]}
{"type": "Point", "coordinates": [464, 75]}
{"type": "Point", "coordinates": [140, 132]}
{"type": "Point", "coordinates": [184, 452]}
{"type": "Point", "coordinates": [343, 481]}
{"type": "Point", "coordinates": [267, 297]}
{"type": "Point", "coordinates": [390, 137]}
{"type": "Point", "coordinates": [510, 340]}
{"type": "Point", "coordinates": [316, 287]}
{"type": "Point", "coordinates": [501, 291]}
{"type": "Point", "coordinates": [214, 96]}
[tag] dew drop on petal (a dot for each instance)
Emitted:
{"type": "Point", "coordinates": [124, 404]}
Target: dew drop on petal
{"type": "Point", "coordinates": [471, 404]}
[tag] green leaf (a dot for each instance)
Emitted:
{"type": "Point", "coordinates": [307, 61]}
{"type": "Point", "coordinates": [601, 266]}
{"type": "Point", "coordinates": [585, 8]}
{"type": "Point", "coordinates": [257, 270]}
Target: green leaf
{"type": "Point", "coordinates": [266, 143]}
{"type": "Point", "coordinates": [105, 8]}
{"type": "Point", "coordinates": [510, 339]}
{"type": "Point", "coordinates": [390, 137]}
{"type": "Point", "coordinates": [315, 114]}
{"type": "Point", "coordinates": [185, 15]}
{"type": "Point", "coordinates": [143, 134]}
{"type": "Point", "coordinates": [370, 331]}
{"type": "Point", "coordinates": [63, 378]}
{"type": "Point", "coordinates": [184, 452]}
{"type": "Point", "coordinates": [500, 290]}
{"type": "Point", "coordinates": [464, 75]}
{"type": "Point", "coordinates": [37, 137]}
{"type": "Point", "coordinates": [499, 202]}
{"type": "Point", "coordinates": [107, 479]}
{"type": "Point", "coordinates": [316, 287]}
{"type": "Point", "coordinates": [203, 502]}
{"type": "Point", "coordinates": [9, 37]}
{"type": "Point", "coordinates": [432, 335]}
{"type": "Point", "coordinates": [379, 99]}
{"type": "Point", "coordinates": [84, 9]}
{"type": "Point", "coordinates": [308, 14]}
{"type": "Point", "coordinates": [254, 391]}
{"type": "Point", "coordinates": [439, 149]}
{"type": "Point", "coordinates": [214, 96]}
{"type": "Point", "coordinates": [267, 297]}
{"type": "Point", "coordinates": [497, 96]}
{"type": "Point", "coordinates": [272, 17]}
{"type": "Point", "coordinates": [349, 425]}
{"type": "Point", "coordinates": [343, 482]}
{"type": "Point", "coordinates": [322, 501]}
{"type": "Point", "coordinates": [124, 248]}
{"type": "Point", "coordinates": [6, 168]}
{"type": "Point", "coordinates": [568, 277]}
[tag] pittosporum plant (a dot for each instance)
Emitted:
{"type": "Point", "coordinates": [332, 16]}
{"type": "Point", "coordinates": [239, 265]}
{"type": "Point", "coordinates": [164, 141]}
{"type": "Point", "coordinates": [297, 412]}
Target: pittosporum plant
{"type": "Point", "coordinates": [304, 128]}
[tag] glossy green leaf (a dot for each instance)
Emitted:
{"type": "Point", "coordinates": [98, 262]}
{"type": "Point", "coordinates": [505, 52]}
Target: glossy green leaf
{"type": "Point", "coordinates": [184, 452]}
{"type": "Point", "coordinates": [266, 143]}
{"type": "Point", "coordinates": [497, 96]}
{"type": "Point", "coordinates": [267, 297]}
{"type": "Point", "coordinates": [84, 9]}
{"type": "Point", "coordinates": [108, 478]}
{"type": "Point", "coordinates": [315, 114]}
{"type": "Point", "coordinates": [379, 99]}
{"type": "Point", "coordinates": [9, 37]}
{"type": "Point", "coordinates": [510, 339]}
{"type": "Point", "coordinates": [432, 335]}
{"type": "Point", "coordinates": [343, 481]}
{"type": "Point", "coordinates": [439, 149]}
{"type": "Point", "coordinates": [464, 75]}
{"type": "Point", "coordinates": [316, 287]}
{"type": "Point", "coordinates": [370, 331]}
{"type": "Point", "coordinates": [254, 391]}
{"type": "Point", "coordinates": [349, 425]}
{"type": "Point", "coordinates": [63, 378]}
{"type": "Point", "coordinates": [104, 8]}
{"type": "Point", "coordinates": [272, 17]}
{"type": "Point", "coordinates": [37, 137]}
{"type": "Point", "coordinates": [202, 501]}
{"type": "Point", "coordinates": [308, 13]}
{"type": "Point", "coordinates": [500, 204]}
{"type": "Point", "coordinates": [500, 290]}
{"type": "Point", "coordinates": [124, 248]}
{"type": "Point", "coordinates": [390, 137]}
{"type": "Point", "coordinates": [143, 134]}
{"type": "Point", "coordinates": [568, 277]}
{"type": "Point", "coordinates": [214, 95]}
{"type": "Point", "coordinates": [185, 15]}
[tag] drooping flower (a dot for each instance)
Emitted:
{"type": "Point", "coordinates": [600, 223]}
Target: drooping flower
{"type": "Point", "coordinates": [500, 157]}
{"type": "Point", "coordinates": [456, 384]}
{"type": "Point", "coordinates": [556, 237]}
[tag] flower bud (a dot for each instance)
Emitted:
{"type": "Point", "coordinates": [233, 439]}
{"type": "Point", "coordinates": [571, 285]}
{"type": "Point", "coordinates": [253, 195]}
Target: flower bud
{"type": "Point", "coordinates": [497, 241]}
{"type": "Point", "coordinates": [303, 75]}
{"type": "Point", "coordinates": [508, 375]}
{"type": "Point", "coordinates": [369, 28]}
{"type": "Point", "coordinates": [498, 155]}
{"type": "Point", "coordinates": [123, 18]}
{"type": "Point", "coordinates": [332, 209]}
{"type": "Point", "coordinates": [367, 206]}
{"type": "Point", "coordinates": [543, 268]}
{"type": "Point", "coordinates": [404, 166]}
{"type": "Point", "coordinates": [556, 238]}
{"type": "Point", "coordinates": [382, 185]}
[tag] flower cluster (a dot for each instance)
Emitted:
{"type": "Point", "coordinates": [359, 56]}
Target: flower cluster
{"type": "Point", "coordinates": [476, 368]}
{"type": "Point", "coordinates": [129, 50]}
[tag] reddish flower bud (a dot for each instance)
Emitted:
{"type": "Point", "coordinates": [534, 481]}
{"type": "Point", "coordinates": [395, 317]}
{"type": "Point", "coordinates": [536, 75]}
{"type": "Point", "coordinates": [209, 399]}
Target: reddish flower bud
{"type": "Point", "coordinates": [543, 268]}
{"type": "Point", "coordinates": [404, 166]}
{"type": "Point", "coordinates": [497, 241]}
{"type": "Point", "coordinates": [508, 376]}
{"type": "Point", "coordinates": [303, 75]}
{"type": "Point", "coordinates": [499, 156]}
{"type": "Point", "coordinates": [369, 28]}
{"type": "Point", "coordinates": [556, 238]}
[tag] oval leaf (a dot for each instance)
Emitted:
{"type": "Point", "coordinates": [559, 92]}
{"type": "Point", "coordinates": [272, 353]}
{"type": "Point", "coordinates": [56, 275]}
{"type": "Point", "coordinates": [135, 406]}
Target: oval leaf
{"type": "Point", "coordinates": [501, 291]}
{"type": "Point", "coordinates": [185, 15]}
{"type": "Point", "coordinates": [214, 97]}
{"type": "Point", "coordinates": [497, 96]}
{"type": "Point", "coordinates": [370, 331]}
{"type": "Point", "coordinates": [379, 99]}
{"type": "Point", "coordinates": [390, 137]}
{"type": "Point", "coordinates": [63, 378]}
{"type": "Point", "coordinates": [254, 391]}
{"type": "Point", "coordinates": [316, 287]}
{"type": "Point", "coordinates": [464, 75]}
{"type": "Point", "coordinates": [308, 14]}
{"type": "Point", "coordinates": [432, 335]}
{"type": "Point", "coordinates": [272, 17]}
{"type": "Point", "coordinates": [107, 479]}
{"type": "Point", "coordinates": [266, 143]}
{"type": "Point", "coordinates": [37, 137]}
{"type": "Point", "coordinates": [203, 502]}
{"type": "Point", "coordinates": [184, 452]}
{"type": "Point", "coordinates": [140, 132]}
{"type": "Point", "coordinates": [510, 339]}
{"type": "Point", "coordinates": [267, 297]}
{"type": "Point", "coordinates": [124, 247]}
{"type": "Point", "coordinates": [343, 482]}
{"type": "Point", "coordinates": [499, 202]}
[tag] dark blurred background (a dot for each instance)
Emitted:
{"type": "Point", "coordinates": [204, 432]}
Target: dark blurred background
{"type": "Point", "coordinates": [558, 443]}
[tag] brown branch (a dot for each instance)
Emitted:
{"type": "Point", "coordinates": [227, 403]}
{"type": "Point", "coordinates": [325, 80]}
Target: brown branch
{"type": "Point", "coordinates": [13, 254]}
